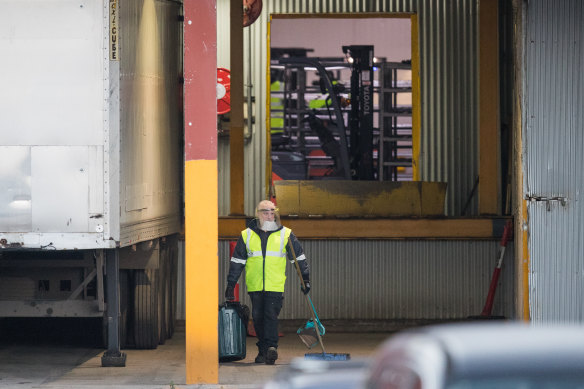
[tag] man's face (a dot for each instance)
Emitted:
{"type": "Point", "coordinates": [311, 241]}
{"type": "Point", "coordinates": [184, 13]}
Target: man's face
{"type": "Point", "coordinates": [266, 212]}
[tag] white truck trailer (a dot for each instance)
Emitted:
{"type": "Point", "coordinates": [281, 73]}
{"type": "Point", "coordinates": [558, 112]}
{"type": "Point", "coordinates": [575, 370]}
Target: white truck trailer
{"type": "Point", "coordinates": [91, 163]}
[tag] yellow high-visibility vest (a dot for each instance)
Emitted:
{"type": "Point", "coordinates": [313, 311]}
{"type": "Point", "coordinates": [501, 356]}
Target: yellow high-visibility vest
{"type": "Point", "coordinates": [267, 274]}
{"type": "Point", "coordinates": [276, 103]}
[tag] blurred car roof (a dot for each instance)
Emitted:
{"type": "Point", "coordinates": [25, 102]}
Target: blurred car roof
{"type": "Point", "coordinates": [441, 353]}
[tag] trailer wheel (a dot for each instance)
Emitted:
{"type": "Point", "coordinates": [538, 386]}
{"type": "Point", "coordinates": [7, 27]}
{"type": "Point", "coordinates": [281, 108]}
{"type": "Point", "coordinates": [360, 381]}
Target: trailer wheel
{"type": "Point", "coordinates": [169, 293]}
{"type": "Point", "coordinates": [146, 308]}
{"type": "Point", "coordinates": [168, 265]}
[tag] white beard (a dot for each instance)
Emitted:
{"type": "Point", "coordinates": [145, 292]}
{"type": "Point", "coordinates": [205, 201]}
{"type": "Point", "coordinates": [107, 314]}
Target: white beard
{"type": "Point", "coordinates": [269, 226]}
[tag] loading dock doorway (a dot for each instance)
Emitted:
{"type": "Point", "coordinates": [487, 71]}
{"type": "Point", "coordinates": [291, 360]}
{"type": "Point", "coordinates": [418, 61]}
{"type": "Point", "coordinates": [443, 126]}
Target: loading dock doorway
{"type": "Point", "coordinates": [308, 140]}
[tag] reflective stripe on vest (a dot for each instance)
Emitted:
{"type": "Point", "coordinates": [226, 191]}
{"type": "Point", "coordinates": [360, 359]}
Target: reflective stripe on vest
{"type": "Point", "coordinates": [267, 274]}
{"type": "Point", "coordinates": [276, 103]}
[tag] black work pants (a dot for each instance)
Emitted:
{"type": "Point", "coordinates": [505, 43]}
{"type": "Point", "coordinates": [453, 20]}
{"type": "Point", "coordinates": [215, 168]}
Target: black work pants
{"type": "Point", "coordinates": [266, 307]}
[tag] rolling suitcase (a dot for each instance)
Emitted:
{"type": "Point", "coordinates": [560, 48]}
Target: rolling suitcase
{"type": "Point", "coordinates": [233, 319]}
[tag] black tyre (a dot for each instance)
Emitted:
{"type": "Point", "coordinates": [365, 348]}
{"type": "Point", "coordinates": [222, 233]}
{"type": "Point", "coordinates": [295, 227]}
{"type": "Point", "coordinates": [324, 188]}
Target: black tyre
{"type": "Point", "coordinates": [169, 323]}
{"type": "Point", "coordinates": [172, 281]}
{"type": "Point", "coordinates": [162, 293]}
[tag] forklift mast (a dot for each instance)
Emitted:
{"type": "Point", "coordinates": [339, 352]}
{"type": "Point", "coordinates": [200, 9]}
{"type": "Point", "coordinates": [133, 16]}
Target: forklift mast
{"type": "Point", "coordinates": [361, 115]}
{"type": "Point", "coordinates": [353, 152]}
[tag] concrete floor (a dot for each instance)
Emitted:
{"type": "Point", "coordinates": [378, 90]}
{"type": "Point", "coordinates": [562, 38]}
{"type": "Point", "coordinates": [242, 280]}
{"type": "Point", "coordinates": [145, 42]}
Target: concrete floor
{"type": "Point", "coordinates": [38, 365]}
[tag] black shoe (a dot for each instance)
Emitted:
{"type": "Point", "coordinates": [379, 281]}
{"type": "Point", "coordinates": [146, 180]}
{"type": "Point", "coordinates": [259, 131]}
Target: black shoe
{"type": "Point", "coordinates": [271, 355]}
{"type": "Point", "coordinates": [261, 358]}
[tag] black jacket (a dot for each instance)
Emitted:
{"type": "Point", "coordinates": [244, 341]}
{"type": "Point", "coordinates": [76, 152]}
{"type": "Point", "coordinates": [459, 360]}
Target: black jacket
{"type": "Point", "coordinates": [240, 253]}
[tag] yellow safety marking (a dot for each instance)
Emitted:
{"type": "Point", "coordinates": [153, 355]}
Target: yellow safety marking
{"type": "Point", "coordinates": [357, 198]}
{"type": "Point", "coordinates": [201, 269]}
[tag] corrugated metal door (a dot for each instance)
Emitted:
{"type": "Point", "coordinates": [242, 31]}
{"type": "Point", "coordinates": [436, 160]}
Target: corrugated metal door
{"type": "Point", "coordinates": [553, 143]}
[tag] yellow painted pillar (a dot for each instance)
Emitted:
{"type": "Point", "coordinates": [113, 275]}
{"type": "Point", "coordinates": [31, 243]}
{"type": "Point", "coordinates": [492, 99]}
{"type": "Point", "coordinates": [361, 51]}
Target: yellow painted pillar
{"type": "Point", "coordinates": [520, 211]}
{"type": "Point", "coordinates": [201, 269]}
{"type": "Point", "coordinates": [201, 208]}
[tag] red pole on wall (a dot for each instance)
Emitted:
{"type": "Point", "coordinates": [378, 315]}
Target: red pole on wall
{"type": "Point", "coordinates": [495, 278]}
{"type": "Point", "coordinates": [231, 250]}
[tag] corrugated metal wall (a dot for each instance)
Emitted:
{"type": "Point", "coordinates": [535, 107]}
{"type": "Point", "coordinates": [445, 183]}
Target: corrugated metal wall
{"type": "Point", "coordinates": [553, 161]}
{"type": "Point", "coordinates": [394, 279]}
{"type": "Point", "coordinates": [449, 86]}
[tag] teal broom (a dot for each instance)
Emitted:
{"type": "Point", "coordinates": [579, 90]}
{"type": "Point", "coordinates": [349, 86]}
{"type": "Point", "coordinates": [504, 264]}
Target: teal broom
{"type": "Point", "coordinates": [312, 332]}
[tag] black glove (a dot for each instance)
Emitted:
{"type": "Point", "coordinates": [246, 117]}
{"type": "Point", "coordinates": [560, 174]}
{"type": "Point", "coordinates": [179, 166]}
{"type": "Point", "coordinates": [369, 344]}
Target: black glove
{"type": "Point", "coordinates": [306, 288]}
{"type": "Point", "coordinates": [230, 293]}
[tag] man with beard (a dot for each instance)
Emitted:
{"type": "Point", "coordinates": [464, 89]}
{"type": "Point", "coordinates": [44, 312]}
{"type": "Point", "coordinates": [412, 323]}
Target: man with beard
{"type": "Point", "coordinates": [262, 249]}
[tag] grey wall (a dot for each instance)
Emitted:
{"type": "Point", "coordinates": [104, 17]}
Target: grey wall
{"type": "Point", "coordinates": [394, 279]}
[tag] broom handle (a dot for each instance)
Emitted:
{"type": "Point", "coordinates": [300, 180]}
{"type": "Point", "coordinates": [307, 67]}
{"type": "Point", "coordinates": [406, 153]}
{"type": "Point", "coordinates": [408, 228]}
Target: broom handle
{"type": "Point", "coordinates": [316, 326]}
{"type": "Point", "coordinates": [312, 310]}
{"type": "Point", "coordinates": [296, 265]}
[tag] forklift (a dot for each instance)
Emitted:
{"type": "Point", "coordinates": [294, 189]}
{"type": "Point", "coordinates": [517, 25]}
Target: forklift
{"type": "Point", "coordinates": [351, 149]}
